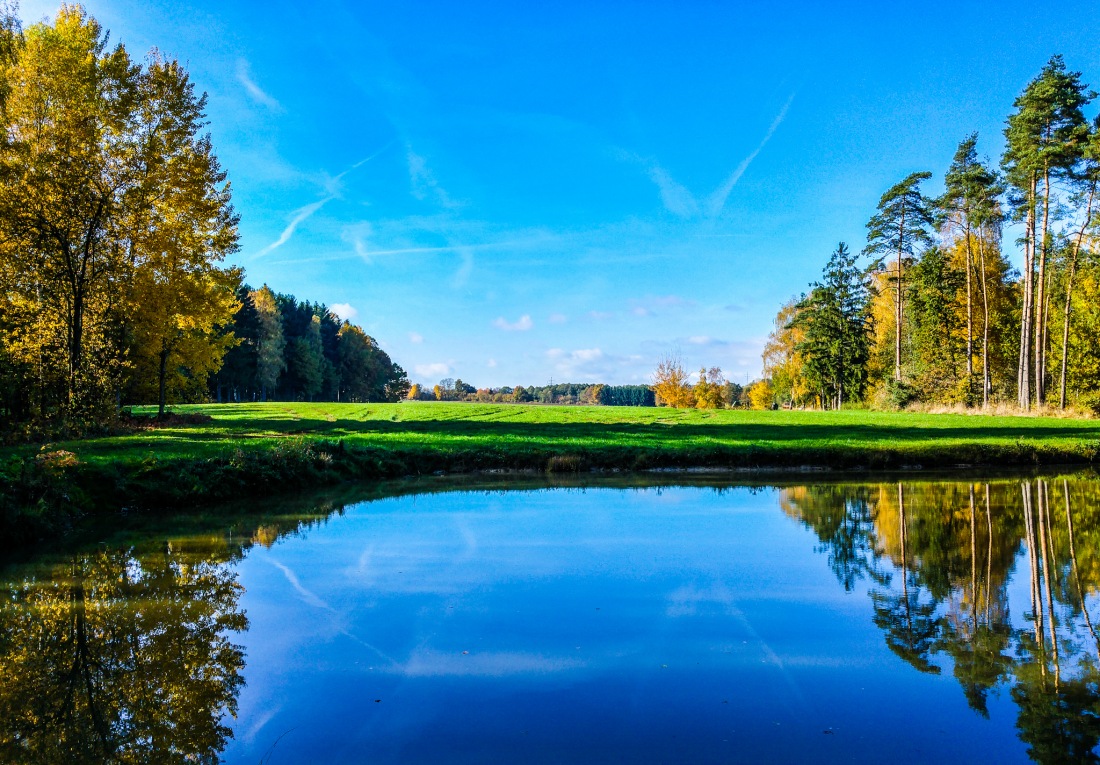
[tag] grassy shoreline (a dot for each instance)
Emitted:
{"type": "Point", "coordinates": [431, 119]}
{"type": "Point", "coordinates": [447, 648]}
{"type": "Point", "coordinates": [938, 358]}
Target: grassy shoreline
{"type": "Point", "coordinates": [259, 450]}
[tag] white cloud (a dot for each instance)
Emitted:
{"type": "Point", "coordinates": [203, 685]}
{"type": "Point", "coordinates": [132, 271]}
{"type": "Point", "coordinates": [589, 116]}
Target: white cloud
{"type": "Point", "coordinates": [416, 338]}
{"type": "Point", "coordinates": [700, 340]}
{"type": "Point", "coordinates": [437, 369]}
{"type": "Point", "coordinates": [522, 324]}
{"type": "Point", "coordinates": [244, 76]}
{"type": "Point", "coordinates": [558, 318]}
{"type": "Point", "coordinates": [600, 315]}
{"type": "Point", "coordinates": [491, 363]}
{"type": "Point", "coordinates": [345, 311]}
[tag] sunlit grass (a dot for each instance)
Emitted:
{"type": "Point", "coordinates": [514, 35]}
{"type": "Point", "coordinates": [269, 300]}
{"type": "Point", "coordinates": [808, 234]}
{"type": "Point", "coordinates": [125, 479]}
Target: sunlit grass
{"type": "Point", "coordinates": [461, 427]}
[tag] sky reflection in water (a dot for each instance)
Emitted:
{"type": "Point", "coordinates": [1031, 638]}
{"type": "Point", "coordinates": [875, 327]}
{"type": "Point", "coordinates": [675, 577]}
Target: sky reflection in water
{"type": "Point", "coordinates": [607, 625]}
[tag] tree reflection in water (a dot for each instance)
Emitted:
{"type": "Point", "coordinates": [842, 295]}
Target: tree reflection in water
{"type": "Point", "coordinates": [121, 656]}
{"type": "Point", "coordinates": [939, 557]}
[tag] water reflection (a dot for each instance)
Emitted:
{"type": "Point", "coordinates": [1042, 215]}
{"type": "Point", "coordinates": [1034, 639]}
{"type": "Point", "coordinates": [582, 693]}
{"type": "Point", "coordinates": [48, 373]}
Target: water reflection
{"type": "Point", "coordinates": [941, 557]}
{"type": "Point", "coordinates": [116, 656]}
{"type": "Point", "coordinates": [134, 652]}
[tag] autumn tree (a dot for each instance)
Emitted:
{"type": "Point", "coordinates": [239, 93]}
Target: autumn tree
{"type": "Point", "coordinates": [709, 390]}
{"type": "Point", "coordinates": [182, 226]}
{"type": "Point", "coordinates": [670, 383]}
{"type": "Point", "coordinates": [271, 343]}
{"type": "Point", "coordinates": [68, 165]}
{"type": "Point", "coordinates": [1087, 179]}
{"type": "Point", "coordinates": [783, 363]}
{"type": "Point", "coordinates": [968, 210]}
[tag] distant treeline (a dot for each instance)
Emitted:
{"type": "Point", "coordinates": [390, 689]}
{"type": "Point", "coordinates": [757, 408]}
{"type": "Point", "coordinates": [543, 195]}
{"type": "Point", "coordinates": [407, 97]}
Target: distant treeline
{"type": "Point", "coordinates": [290, 351]}
{"type": "Point", "coordinates": [591, 394]}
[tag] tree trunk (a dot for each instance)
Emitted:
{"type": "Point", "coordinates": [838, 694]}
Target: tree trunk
{"type": "Point", "coordinates": [897, 302]}
{"type": "Point", "coordinates": [1041, 300]}
{"type": "Point", "coordinates": [1069, 295]}
{"type": "Point", "coordinates": [1023, 378]}
{"type": "Point", "coordinates": [162, 377]}
{"type": "Point", "coordinates": [985, 324]}
{"type": "Point", "coordinates": [969, 314]}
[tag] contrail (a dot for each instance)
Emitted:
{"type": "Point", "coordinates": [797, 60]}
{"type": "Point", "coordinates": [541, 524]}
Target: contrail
{"type": "Point", "coordinates": [718, 198]}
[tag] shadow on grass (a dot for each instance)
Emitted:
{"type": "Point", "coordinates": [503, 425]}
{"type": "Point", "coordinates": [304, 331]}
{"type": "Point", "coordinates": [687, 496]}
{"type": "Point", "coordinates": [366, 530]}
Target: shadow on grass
{"type": "Point", "coordinates": [595, 432]}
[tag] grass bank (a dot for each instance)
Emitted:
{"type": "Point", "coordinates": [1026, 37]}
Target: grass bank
{"type": "Point", "coordinates": [262, 449]}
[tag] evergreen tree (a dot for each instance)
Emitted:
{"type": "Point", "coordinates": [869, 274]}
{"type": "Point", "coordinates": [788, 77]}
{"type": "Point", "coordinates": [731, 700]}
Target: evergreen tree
{"type": "Point", "coordinates": [834, 320]}
{"type": "Point", "coordinates": [1044, 139]}
{"type": "Point", "coordinates": [899, 229]}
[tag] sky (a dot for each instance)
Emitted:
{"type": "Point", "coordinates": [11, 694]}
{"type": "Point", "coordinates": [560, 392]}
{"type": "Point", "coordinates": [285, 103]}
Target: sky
{"type": "Point", "coordinates": [514, 193]}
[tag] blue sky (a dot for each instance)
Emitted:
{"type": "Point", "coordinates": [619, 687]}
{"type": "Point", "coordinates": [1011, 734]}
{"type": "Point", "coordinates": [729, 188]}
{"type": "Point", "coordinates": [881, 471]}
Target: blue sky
{"type": "Point", "coordinates": [514, 192]}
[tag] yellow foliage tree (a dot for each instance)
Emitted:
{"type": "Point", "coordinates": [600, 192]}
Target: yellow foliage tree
{"type": "Point", "coordinates": [782, 360]}
{"type": "Point", "coordinates": [670, 383]}
{"type": "Point", "coordinates": [761, 394]}
{"type": "Point", "coordinates": [709, 391]}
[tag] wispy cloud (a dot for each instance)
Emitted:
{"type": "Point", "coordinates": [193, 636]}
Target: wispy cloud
{"type": "Point", "coordinates": [558, 318]}
{"type": "Point", "coordinates": [656, 304]}
{"type": "Point", "coordinates": [334, 186]}
{"type": "Point", "coordinates": [674, 196]}
{"type": "Point", "coordinates": [416, 338]}
{"type": "Point", "coordinates": [522, 324]}
{"type": "Point", "coordinates": [718, 199]}
{"type": "Point", "coordinates": [301, 215]}
{"type": "Point", "coordinates": [423, 182]}
{"type": "Point", "coordinates": [244, 77]}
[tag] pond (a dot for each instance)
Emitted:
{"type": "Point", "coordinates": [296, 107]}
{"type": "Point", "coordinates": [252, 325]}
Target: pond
{"type": "Point", "coordinates": [902, 621]}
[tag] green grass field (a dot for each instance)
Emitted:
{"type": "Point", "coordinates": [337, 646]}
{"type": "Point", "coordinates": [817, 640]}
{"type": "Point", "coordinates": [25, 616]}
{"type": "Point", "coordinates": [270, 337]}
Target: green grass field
{"type": "Point", "coordinates": [858, 436]}
{"type": "Point", "coordinates": [257, 449]}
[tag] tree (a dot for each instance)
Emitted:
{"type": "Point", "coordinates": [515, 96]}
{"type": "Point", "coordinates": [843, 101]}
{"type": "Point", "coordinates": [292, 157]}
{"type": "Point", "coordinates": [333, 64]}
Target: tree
{"type": "Point", "coordinates": [782, 361]}
{"type": "Point", "coordinates": [183, 226]}
{"type": "Point", "coordinates": [969, 209]}
{"type": "Point", "coordinates": [835, 322]}
{"type": "Point", "coordinates": [710, 389]}
{"type": "Point", "coordinates": [305, 358]}
{"type": "Point", "coordinates": [271, 344]}
{"type": "Point", "coordinates": [900, 228]}
{"type": "Point", "coordinates": [1087, 179]}
{"type": "Point", "coordinates": [933, 289]}
{"type": "Point", "coordinates": [68, 167]}
{"type": "Point", "coordinates": [670, 383]}
{"type": "Point", "coordinates": [1044, 139]}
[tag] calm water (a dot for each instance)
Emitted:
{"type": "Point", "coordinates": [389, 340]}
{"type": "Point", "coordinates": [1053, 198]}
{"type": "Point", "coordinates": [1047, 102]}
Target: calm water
{"type": "Point", "coordinates": [876, 622]}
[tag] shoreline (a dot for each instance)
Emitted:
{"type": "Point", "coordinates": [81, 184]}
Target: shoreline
{"type": "Point", "coordinates": [44, 499]}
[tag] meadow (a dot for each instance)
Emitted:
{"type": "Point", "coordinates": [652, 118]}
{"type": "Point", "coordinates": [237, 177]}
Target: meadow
{"type": "Point", "coordinates": [217, 452]}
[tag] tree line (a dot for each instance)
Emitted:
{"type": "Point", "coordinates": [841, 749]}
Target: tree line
{"type": "Point", "coordinates": [592, 394]}
{"type": "Point", "coordinates": [115, 221]}
{"type": "Point", "coordinates": [300, 351]}
{"type": "Point", "coordinates": [932, 311]}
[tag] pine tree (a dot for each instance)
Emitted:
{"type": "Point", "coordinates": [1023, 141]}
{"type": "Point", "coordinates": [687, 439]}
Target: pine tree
{"type": "Point", "coordinates": [900, 228]}
{"type": "Point", "coordinates": [1044, 138]}
{"type": "Point", "coordinates": [835, 321]}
